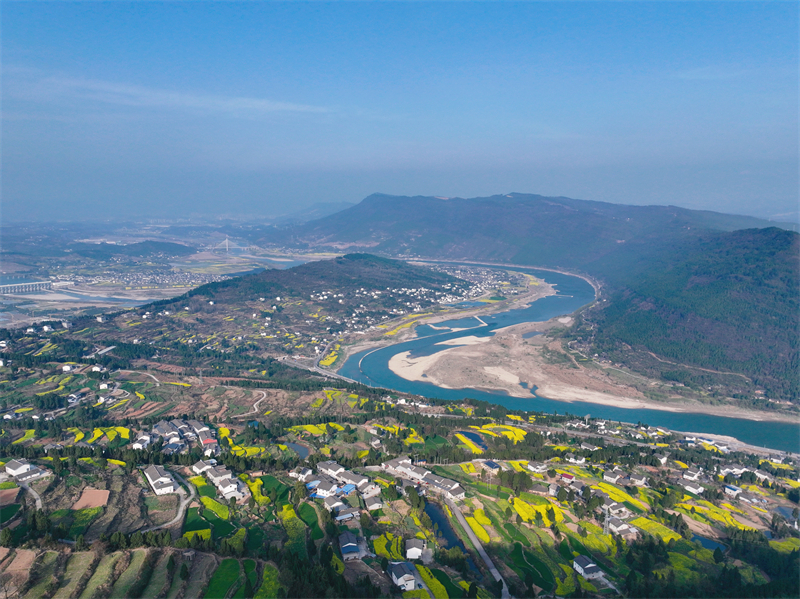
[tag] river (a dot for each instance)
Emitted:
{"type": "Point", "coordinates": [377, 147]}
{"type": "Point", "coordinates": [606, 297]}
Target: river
{"type": "Point", "coordinates": [372, 368]}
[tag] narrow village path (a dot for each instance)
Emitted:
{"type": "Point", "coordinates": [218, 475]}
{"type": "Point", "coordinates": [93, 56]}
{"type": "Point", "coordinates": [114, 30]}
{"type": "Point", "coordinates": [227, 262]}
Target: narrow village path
{"type": "Point", "coordinates": [481, 551]}
{"type": "Point", "coordinates": [36, 497]}
{"type": "Point", "coordinates": [255, 406]}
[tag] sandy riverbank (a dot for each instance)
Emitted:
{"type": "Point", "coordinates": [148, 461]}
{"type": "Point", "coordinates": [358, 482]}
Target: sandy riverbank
{"type": "Point", "coordinates": [505, 360]}
{"type": "Point", "coordinates": [534, 292]}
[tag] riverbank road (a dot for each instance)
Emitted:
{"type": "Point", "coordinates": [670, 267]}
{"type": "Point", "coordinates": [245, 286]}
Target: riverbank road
{"type": "Point", "coordinates": [481, 551]}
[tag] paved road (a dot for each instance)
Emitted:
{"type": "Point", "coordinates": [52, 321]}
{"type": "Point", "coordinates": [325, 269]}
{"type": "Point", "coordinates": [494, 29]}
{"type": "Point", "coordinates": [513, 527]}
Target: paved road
{"type": "Point", "coordinates": [36, 496]}
{"type": "Point", "coordinates": [181, 508]}
{"type": "Point", "coordinates": [481, 551]}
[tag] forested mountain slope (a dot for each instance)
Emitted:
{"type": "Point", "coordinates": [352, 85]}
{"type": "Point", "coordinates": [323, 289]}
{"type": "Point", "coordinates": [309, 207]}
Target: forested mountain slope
{"type": "Point", "coordinates": [724, 301]}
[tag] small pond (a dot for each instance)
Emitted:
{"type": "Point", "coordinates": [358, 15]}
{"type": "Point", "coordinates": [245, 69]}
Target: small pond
{"type": "Point", "coordinates": [708, 543]}
{"type": "Point", "coordinates": [301, 450]}
{"type": "Point", "coordinates": [475, 438]}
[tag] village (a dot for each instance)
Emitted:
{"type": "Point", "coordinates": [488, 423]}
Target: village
{"type": "Point", "coordinates": [423, 499]}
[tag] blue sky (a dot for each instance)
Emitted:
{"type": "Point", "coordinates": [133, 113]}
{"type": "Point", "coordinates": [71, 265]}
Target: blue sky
{"type": "Point", "coordinates": [179, 109]}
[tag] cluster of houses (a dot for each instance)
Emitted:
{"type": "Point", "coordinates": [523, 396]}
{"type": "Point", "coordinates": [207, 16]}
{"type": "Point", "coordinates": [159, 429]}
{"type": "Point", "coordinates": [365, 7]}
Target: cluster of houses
{"type": "Point", "coordinates": [332, 482]}
{"type": "Point", "coordinates": [403, 468]}
{"type": "Point", "coordinates": [403, 574]}
{"type": "Point", "coordinates": [230, 487]}
{"type": "Point", "coordinates": [177, 434]}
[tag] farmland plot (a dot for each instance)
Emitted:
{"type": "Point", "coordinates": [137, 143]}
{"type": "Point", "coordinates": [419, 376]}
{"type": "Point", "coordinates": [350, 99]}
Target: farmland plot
{"type": "Point", "coordinates": [45, 571]}
{"type": "Point", "coordinates": [102, 575]}
{"type": "Point", "coordinates": [129, 576]}
{"type": "Point", "coordinates": [77, 566]}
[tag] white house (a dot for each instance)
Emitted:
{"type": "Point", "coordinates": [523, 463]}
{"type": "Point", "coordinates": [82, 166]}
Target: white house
{"type": "Point", "coordinates": [202, 466]}
{"type": "Point", "coordinates": [161, 480]}
{"type": "Point", "coordinates": [732, 490]}
{"type": "Point", "coordinates": [619, 527]}
{"type": "Point", "coordinates": [330, 468]}
{"type": "Point", "coordinates": [332, 503]}
{"type": "Point", "coordinates": [691, 474]}
{"type": "Point", "coordinates": [326, 489]}
{"type": "Point", "coordinates": [352, 478]}
{"type": "Point", "coordinates": [573, 459]}
{"type": "Point", "coordinates": [402, 575]}
{"type": "Point", "coordinates": [538, 468]}
{"type": "Point", "coordinates": [692, 487]}
{"type": "Point", "coordinates": [414, 548]}
{"type": "Point", "coordinates": [373, 503]}
{"type": "Point", "coordinates": [17, 467]}
{"type": "Point", "coordinates": [142, 441]}
{"type": "Point", "coordinates": [586, 567]}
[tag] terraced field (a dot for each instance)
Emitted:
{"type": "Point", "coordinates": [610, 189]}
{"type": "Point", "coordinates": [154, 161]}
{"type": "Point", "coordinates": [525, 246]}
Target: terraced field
{"type": "Point", "coordinates": [45, 570]}
{"type": "Point", "coordinates": [102, 575]}
{"type": "Point", "coordinates": [202, 569]}
{"type": "Point", "coordinates": [160, 577]}
{"type": "Point", "coordinates": [129, 576]}
{"type": "Point", "coordinates": [77, 564]}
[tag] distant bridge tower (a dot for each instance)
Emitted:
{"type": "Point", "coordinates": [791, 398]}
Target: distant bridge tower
{"type": "Point", "coordinates": [228, 245]}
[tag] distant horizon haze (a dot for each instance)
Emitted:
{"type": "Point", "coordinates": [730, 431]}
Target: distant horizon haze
{"type": "Point", "coordinates": [163, 110]}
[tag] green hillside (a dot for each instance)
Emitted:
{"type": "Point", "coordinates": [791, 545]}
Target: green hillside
{"type": "Point", "coordinates": [727, 302]}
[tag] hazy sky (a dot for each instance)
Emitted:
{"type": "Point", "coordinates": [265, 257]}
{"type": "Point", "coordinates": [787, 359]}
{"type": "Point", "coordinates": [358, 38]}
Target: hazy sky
{"type": "Point", "coordinates": [260, 108]}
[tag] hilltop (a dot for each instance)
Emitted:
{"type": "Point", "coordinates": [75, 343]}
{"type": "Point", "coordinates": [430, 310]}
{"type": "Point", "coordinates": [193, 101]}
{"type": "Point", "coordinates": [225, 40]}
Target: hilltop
{"type": "Point", "coordinates": [297, 311]}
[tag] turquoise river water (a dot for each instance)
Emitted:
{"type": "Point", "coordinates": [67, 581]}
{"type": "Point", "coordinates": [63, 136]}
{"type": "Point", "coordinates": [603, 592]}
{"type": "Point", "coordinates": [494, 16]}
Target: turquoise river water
{"type": "Point", "coordinates": [372, 368]}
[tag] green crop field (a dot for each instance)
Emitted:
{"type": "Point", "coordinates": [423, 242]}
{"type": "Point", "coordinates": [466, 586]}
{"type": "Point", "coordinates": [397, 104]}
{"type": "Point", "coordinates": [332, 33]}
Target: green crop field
{"type": "Point", "coordinates": [129, 576]}
{"type": "Point", "coordinates": [269, 584]}
{"type": "Point", "coordinates": [223, 579]}
{"type": "Point", "coordinates": [8, 511]}
{"type": "Point", "coordinates": [76, 566]}
{"type": "Point", "coordinates": [101, 575]}
{"type": "Point", "coordinates": [44, 573]}
{"type": "Point", "coordinates": [308, 515]}
{"type": "Point", "coordinates": [252, 575]}
{"type": "Point", "coordinates": [158, 580]}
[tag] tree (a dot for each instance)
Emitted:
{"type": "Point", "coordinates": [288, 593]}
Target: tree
{"type": "Point", "coordinates": [6, 538]}
{"type": "Point", "coordinates": [184, 572]}
{"type": "Point", "coordinates": [561, 495]}
{"type": "Point", "coordinates": [718, 556]}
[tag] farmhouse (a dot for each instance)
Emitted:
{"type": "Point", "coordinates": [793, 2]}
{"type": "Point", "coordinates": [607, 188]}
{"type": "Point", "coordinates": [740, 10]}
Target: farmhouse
{"type": "Point", "coordinates": [691, 474]}
{"type": "Point", "coordinates": [348, 544]}
{"type": "Point", "coordinates": [17, 467]}
{"type": "Point", "coordinates": [142, 441]}
{"type": "Point", "coordinates": [202, 466]}
{"type": "Point", "coordinates": [373, 503]}
{"type": "Point", "coordinates": [414, 548]}
{"type": "Point", "coordinates": [330, 468]}
{"type": "Point", "coordinates": [402, 574]}
{"type": "Point", "coordinates": [586, 567]}
{"type": "Point", "coordinates": [332, 503]}
{"type": "Point", "coordinates": [161, 480]}
{"type": "Point", "coordinates": [732, 491]}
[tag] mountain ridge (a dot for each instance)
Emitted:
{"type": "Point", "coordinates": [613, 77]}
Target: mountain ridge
{"type": "Point", "coordinates": [630, 249]}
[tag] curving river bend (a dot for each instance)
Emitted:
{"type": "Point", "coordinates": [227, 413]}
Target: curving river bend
{"type": "Point", "coordinates": [372, 368]}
